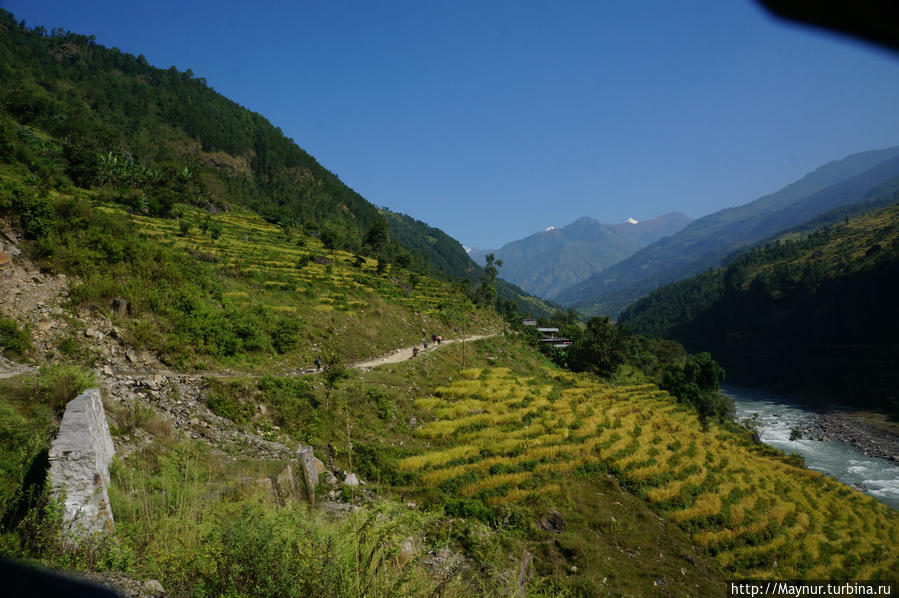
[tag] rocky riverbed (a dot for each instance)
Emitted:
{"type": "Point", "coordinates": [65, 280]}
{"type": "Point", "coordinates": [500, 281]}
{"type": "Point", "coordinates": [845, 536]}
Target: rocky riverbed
{"type": "Point", "coordinates": [872, 440]}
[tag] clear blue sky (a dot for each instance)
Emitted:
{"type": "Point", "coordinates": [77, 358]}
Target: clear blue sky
{"type": "Point", "coordinates": [493, 120]}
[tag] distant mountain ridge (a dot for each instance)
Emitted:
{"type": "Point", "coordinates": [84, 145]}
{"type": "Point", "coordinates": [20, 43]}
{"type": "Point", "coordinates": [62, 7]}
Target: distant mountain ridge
{"type": "Point", "coordinates": [552, 260]}
{"type": "Point", "coordinates": [706, 241]}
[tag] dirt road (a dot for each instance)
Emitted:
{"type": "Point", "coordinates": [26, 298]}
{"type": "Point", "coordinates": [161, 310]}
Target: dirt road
{"type": "Point", "coordinates": [406, 352]}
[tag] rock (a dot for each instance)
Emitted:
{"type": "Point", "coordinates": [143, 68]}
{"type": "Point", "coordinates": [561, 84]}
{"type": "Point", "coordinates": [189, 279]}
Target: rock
{"type": "Point", "coordinates": [351, 480]}
{"type": "Point", "coordinates": [5, 260]}
{"type": "Point", "coordinates": [132, 356]}
{"type": "Point", "coordinates": [524, 573]}
{"type": "Point", "coordinates": [79, 466]}
{"type": "Point", "coordinates": [152, 588]}
{"type": "Point", "coordinates": [311, 468]}
{"type": "Point", "coordinates": [553, 522]}
{"type": "Point", "coordinates": [7, 232]}
{"type": "Point", "coordinates": [107, 370]}
{"type": "Point", "coordinates": [330, 479]}
{"type": "Point", "coordinates": [407, 551]}
{"type": "Point", "coordinates": [119, 307]}
{"type": "Point", "coordinates": [413, 422]}
{"type": "Point", "coordinates": [287, 489]}
{"type": "Point", "coordinates": [92, 333]}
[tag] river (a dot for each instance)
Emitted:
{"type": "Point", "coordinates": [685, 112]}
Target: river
{"type": "Point", "coordinates": [779, 414]}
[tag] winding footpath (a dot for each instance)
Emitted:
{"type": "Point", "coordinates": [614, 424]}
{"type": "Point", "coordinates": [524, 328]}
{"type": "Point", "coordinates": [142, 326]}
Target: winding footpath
{"type": "Point", "coordinates": [395, 356]}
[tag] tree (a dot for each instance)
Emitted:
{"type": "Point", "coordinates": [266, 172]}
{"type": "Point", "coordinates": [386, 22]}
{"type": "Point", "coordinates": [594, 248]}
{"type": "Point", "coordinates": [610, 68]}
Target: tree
{"type": "Point", "coordinates": [335, 371]}
{"type": "Point", "coordinates": [329, 239]}
{"type": "Point", "coordinates": [696, 384]}
{"type": "Point", "coordinates": [600, 349]}
{"type": "Point", "coordinates": [378, 235]}
{"type": "Point", "coordinates": [486, 292]}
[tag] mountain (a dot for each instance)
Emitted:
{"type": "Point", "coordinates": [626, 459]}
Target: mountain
{"type": "Point", "coordinates": [165, 138]}
{"type": "Point", "coordinates": [705, 241]}
{"type": "Point", "coordinates": [451, 259]}
{"type": "Point", "coordinates": [196, 283]}
{"type": "Point", "coordinates": [552, 260]}
{"type": "Point", "coordinates": [811, 312]}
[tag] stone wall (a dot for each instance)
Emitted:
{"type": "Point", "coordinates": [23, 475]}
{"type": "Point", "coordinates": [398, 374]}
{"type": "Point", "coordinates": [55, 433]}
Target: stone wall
{"type": "Point", "coordinates": [79, 465]}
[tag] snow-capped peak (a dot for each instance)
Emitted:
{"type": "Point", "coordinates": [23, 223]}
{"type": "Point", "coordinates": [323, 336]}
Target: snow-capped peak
{"type": "Point", "coordinates": [549, 228]}
{"type": "Point", "coordinates": [632, 221]}
{"type": "Point", "coordinates": [467, 249]}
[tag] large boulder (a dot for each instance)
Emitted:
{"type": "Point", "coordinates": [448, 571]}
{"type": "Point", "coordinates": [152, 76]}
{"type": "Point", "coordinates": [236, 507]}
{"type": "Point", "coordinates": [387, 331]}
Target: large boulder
{"type": "Point", "coordinates": [311, 468]}
{"type": "Point", "coordinates": [79, 466]}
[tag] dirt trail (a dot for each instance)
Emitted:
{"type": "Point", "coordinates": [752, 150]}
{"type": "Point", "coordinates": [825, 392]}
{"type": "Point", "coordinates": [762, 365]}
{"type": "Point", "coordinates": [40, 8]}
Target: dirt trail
{"type": "Point", "coordinates": [8, 368]}
{"type": "Point", "coordinates": [406, 352]}
{"type": "Point", "coordinates": [395, 356]}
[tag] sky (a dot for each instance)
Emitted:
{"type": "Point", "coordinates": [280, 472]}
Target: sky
{"type": "Point", "coordinates": [496, 119]}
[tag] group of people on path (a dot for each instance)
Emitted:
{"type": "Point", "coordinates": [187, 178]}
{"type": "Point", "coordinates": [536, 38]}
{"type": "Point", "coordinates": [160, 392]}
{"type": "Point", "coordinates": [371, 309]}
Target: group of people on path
{"type": "Point", "coordinates": [435, 338]}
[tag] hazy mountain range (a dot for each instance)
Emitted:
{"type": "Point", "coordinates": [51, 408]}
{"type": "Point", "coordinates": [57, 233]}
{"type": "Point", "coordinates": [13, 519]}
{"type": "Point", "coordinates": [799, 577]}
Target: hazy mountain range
{"type": "Point", "coordinates": [548, 262]}
{"type": "Point", "coordinates": [705, 242]}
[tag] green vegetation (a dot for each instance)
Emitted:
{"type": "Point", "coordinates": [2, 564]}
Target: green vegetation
{"type": "Point", "coordinates": [29, 410]}
{"type": "Point", "coordinates": [237, 298]}
{"type": "Point", "coordinates": [15, 341]}
{"type": "Point", "coordinates": [74, 113]}
{"type": "Point", "coordinates": [607, 350]}
{"type": "Point", "coordinates": [810, 312]}
{"type": "Point", "coordinates": [235, 249]}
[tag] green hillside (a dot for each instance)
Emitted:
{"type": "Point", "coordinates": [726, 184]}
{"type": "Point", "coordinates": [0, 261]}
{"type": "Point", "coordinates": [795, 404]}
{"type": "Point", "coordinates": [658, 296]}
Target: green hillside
{"type": "Point", "coordinates": [813, 311]}
{"type": "Point", "coordinates": [483, 467]}
{"type": "Point", "coordinates": [706, 241]}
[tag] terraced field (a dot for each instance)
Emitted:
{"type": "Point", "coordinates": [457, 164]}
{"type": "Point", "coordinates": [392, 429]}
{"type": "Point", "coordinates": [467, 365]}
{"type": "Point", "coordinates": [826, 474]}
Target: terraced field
{"type": "Point", "coordinates": [339, 296]}
{"type": "Point", "coordinates": [503, 438]}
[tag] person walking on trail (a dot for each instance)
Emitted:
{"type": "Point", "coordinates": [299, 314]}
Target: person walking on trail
{"type": "Point", "coordinates": [434, 337]}
{"type": "Point", "coordinates": [439, 338]}
{"type": "Point", "coordinates": [318, 362]}
{"type": "Point", "coordinates": [424, 343]}
{"type": "Point", "coordinates": [414, 351]}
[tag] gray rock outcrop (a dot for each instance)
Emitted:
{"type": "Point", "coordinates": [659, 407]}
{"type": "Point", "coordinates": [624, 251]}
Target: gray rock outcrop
{"type": "Point", "coordinates": [311, 468]}
{"type": "Point", "coordinates": [79, 466]}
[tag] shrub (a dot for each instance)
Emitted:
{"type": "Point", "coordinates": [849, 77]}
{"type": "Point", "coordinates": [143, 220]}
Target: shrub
{"type": "Point", "coordinates": [60, 383]}
{"type": "Point", "coordinates": [229, 406]}
{"type": "Point", "coordinates": [14, 341]}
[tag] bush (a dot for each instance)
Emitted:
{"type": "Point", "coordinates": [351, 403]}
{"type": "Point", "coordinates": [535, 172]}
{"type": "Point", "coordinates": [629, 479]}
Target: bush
{"type": "Point", "coordinates": [60, 383]}
{"type": "Point", "coordinates": [229, 406]}
{"type": "Point", "coordinates": [15, 342]}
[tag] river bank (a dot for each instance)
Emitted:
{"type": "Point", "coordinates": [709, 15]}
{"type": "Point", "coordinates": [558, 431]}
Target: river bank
{"type": "Point", "coordinates": [834, 441]}
{"type": "Point", "coordinates": [868, 438]}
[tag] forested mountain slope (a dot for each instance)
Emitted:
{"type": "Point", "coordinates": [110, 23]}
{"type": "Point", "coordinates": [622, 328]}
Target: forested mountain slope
{"type": "Point", "coordinates": [166, 137]}
{"type": "Point", "coordinates": [550, 261]}
{"type": "Point", "coordinates": [811, 313]}
{"type": "Point", "coordinates": [705, 241]}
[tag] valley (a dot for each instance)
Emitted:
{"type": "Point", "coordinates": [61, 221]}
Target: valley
{"type": "Point", "coordinates": [262, 338]}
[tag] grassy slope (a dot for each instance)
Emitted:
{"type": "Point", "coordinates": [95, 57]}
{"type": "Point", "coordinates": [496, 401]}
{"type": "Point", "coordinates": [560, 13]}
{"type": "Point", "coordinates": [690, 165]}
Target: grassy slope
{"type": "Point", "coordinates": [343, 305]}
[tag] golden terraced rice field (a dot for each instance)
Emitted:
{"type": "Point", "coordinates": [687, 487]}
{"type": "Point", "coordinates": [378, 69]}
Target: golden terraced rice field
{"type": "Point", "coordinates": [502, 438]}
